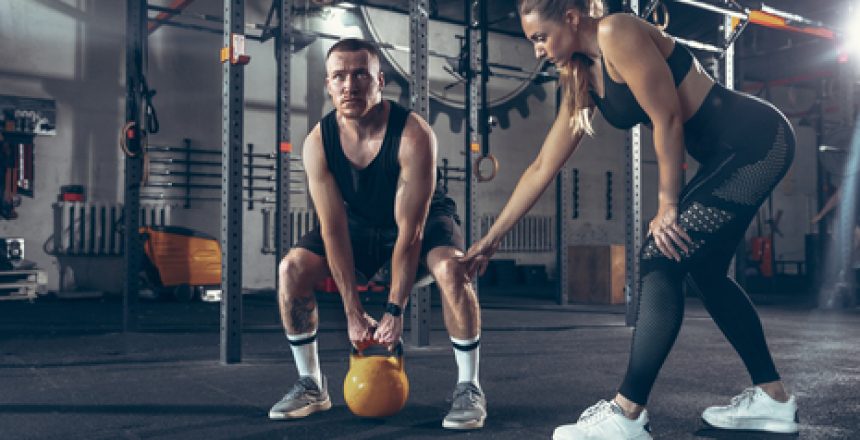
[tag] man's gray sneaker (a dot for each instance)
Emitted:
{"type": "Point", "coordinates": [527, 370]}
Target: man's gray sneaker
{"type": "Point", "coordinates": [304, 399]}
{"type": "Point", "coordinates": [469, 408]}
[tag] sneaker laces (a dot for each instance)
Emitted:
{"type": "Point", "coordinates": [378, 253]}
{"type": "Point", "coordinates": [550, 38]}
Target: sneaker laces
{"type": "Point", "coordinates": [744, 397]}
{"type": "Point", "coordinates": [465, 396]}
{"type": "Point", "coordinates": [597, 412]}
{"type": "Point", "coordinates": [301, 387]}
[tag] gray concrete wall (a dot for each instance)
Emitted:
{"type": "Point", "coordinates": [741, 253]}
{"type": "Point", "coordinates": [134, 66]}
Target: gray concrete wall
{"type": "Point", "coordinates": [70, 52]}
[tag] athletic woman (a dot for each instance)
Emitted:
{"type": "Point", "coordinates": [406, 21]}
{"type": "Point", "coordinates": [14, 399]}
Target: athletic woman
{"type": "Point", "coordinates": [635, 74]}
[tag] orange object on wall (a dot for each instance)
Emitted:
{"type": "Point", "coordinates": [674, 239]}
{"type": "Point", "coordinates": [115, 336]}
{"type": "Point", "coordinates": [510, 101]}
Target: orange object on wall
{"type": "Point", "coordinates": [756, 245]}
{"type": "Point", "coordinates": [761, 251]}
{"type": "Point", "coordinates": [183, 256]}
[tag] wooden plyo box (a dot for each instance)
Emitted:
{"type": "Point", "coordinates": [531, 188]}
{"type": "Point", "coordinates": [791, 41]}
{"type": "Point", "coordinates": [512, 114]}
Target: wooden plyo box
{"type": "Point", "coordinates": [595, 274]}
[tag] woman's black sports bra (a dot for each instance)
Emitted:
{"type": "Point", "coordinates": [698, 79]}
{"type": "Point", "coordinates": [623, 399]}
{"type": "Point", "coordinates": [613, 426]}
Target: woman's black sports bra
{"type": "Point", "coordinates": [618, 105]}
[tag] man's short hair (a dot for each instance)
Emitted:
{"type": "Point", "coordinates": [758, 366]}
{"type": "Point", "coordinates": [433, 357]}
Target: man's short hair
{"type": "Point", "coordinates": [354, 45]}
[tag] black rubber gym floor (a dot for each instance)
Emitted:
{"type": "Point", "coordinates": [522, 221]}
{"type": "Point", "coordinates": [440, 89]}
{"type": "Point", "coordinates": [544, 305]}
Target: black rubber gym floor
{"type": "Point", "coordinates": [66, 372]}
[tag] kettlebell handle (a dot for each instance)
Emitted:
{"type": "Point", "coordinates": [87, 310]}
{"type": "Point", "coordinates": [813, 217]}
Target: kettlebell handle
{"type": "Point", "coordinates": [397, 351]}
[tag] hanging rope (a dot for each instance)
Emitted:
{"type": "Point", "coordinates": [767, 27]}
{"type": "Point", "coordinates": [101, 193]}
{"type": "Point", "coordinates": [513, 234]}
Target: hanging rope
{"type": "Point", "coordinates": [149, 110]}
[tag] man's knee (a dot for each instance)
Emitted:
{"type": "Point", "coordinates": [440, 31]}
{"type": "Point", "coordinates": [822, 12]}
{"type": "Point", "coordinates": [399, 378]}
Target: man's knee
{"type": "Point", "coordinates": [450, 276]}
{"type": "Point", "coordinates": [295, 268]}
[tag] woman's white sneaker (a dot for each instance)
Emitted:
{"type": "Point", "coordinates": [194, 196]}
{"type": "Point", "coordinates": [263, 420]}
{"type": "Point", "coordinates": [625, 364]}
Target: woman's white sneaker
{"type": "Point", "coordinates": [754, 410]}
{"type": "Point", "coordinates": [605, 421]}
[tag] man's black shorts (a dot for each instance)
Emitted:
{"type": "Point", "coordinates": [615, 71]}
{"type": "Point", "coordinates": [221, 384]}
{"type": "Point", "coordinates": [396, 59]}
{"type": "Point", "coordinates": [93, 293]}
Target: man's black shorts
{"type": "Point", "coordinates": [372, 246]}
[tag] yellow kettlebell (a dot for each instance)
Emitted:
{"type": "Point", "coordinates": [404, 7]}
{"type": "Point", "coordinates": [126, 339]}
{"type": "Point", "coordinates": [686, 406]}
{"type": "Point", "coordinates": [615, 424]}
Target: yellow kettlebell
{"type": "Point", "coordinates": [376, 386]}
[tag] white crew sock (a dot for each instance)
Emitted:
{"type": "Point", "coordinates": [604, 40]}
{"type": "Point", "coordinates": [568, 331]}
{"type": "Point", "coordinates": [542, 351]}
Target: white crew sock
{"type": "Point", "coordinates": [307, 360]}
{"type": "Point", "coordinates": [467, 354]}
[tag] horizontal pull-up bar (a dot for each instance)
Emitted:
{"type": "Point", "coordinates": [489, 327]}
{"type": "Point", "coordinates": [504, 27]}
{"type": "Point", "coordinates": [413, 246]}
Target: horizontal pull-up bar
{"type": "Point", "coordinates": [714, 8]}
{"type": "Point", "coordinates": [765, 16]}
{"type": "Point", "coordinates": [698, 45]}
{"type": "Point", "coordinates": [768, 19]}
{"type": "Point", "coordinates": [791, 18]}
{"type": "Point", "coordinates": [741, 17]}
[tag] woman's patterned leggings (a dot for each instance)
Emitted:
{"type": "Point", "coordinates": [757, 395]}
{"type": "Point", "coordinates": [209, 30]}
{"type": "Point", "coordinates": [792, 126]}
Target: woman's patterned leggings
{"type": "Point", "coordinates": [744, 146]}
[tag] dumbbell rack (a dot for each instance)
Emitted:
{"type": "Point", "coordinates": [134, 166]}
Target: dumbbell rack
{"type": "Point", "coordinates": [22, 284]}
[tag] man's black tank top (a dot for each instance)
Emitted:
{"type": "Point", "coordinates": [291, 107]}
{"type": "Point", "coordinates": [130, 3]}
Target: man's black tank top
{"type": "Point", "coordinates": [369, 193]}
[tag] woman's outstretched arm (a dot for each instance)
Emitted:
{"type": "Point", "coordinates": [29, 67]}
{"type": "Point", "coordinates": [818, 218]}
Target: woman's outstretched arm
{"type": "Point", "coordinates": [559, 144]}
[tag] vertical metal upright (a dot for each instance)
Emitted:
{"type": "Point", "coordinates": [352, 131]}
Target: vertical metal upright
{"type": "Point", "coordinates": [231, 189]}
{"type": "Point", "coordinates": [135, 65]}
{"type": "Point", "coordinates": [562, 215]}
{"type": "Point", "coordinates": [419, 51]}
{"type": "Point", "coordinates": [633, 214]}
{"type": "Point", "coordinates": [728, 63]}
{"type": "Point", "coordinates": [283, 47]}
{"type": "Point", "coordinates": [562, 211]}
{"type": "Point", "coordinates": [473, 146]}
{"type": "Point", "coordinates": [729, 55]}
{"type": "Point", "coordinates": [419, 102]}
{"type": "Point", "coordinates": [484, 59]}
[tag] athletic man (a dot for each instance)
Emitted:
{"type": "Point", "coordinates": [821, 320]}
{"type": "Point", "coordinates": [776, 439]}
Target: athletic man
{"type": "Point", "coordinates": [371, 166]}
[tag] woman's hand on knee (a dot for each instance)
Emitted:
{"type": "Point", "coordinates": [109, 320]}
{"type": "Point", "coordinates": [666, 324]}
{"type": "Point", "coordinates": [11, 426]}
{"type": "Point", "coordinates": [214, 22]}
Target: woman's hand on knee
{"type": "Point", "coordinates": [478, 256]}
{"type": "Point", "coordinates": [668, 235]}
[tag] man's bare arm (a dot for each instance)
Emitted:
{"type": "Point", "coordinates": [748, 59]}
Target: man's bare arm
{"type": "Point", "coordinates": [414, 190]}
{"type": "Point", "coordinates": [329, 206]}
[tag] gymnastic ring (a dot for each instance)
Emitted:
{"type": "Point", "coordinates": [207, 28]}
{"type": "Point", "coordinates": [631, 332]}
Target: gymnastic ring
{"type": "Point", "coordinates": [477, 168]}
{"type": "Point", "coordinates": [664, 11]}
{"type": "Point", "coordinates": [123, 139]}
{"type": "Point", "coordinates": [123, 144]}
